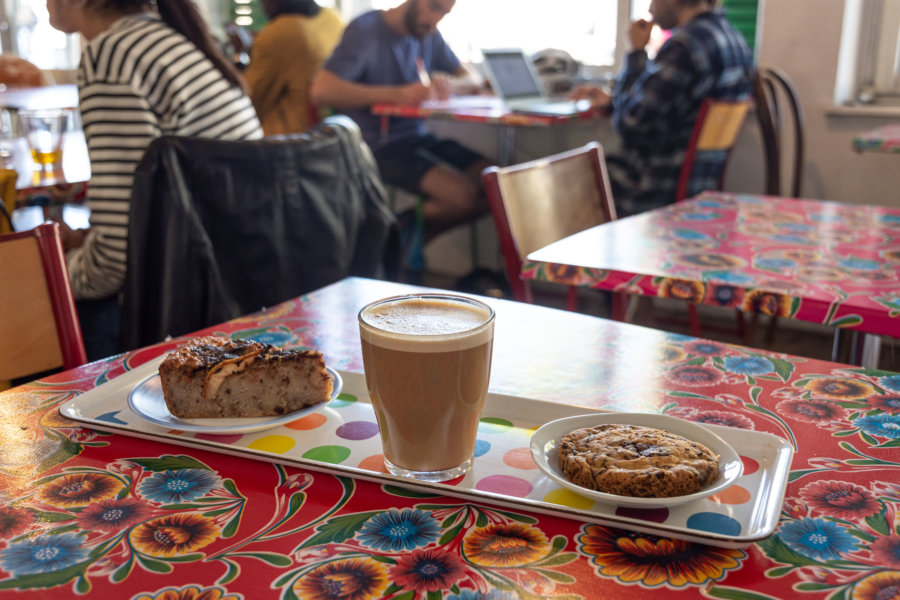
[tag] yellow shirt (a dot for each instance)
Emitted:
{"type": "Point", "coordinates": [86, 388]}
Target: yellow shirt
{"type": "Point", "coordinates": [286, 54]}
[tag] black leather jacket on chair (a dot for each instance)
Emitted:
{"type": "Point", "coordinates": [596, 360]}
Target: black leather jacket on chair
{"type": "Point", "coordinates": [221, 229]}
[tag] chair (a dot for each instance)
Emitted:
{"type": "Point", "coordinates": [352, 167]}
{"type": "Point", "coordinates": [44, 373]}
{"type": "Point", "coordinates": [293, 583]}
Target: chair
{"type": "Point", "coordinates": [220, 229]}
{"type": "Point", "coordinates": [781, 125]}
{"type": "Point", "coordinates": [715, 131]}
{"type": "Point", "coordinates": [38, 322]}
{"type": "Point", "coordinates": [541, 201]}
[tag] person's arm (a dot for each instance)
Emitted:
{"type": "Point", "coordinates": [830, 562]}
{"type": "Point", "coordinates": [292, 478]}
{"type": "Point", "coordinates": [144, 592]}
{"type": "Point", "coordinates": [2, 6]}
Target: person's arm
{"type": "Point", "coordinates": [330, 90]}
{"type": "Point", "coordinates": [97, 266]}
{"type": "Point", "coordinates": [654, 94]}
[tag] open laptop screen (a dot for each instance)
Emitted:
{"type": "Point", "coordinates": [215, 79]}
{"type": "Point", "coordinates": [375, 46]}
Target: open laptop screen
{"type": "Point", "coordinates": [511, 74]}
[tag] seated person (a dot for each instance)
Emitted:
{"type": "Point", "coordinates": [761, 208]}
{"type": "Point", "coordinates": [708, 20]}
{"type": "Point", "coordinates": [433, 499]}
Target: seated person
{"type": "Point", "coordinates": [143, 75]}
{"type": "Point", "coordinates": [386, 56]}
{"type": "Point", "coordinates": [655, 102]}
{"type": "Point", "coordinates": [286, 54]}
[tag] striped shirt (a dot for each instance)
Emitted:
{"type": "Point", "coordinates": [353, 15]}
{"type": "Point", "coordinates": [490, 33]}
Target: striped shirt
{"type": "Point", "coordinates": [655, 104]}
{"type": "Point", "coordinates": [137, 81]}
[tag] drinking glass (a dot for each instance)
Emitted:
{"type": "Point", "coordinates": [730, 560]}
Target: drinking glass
{"type": "Point", "coordinates": [44, 131]}
{"type": "Point", "coordinates": [427, 359]}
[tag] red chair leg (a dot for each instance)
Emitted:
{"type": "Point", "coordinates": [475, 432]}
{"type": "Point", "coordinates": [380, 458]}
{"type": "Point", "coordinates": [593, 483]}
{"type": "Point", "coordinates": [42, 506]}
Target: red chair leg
{"type": "Point", "coordinates": [694, 320]}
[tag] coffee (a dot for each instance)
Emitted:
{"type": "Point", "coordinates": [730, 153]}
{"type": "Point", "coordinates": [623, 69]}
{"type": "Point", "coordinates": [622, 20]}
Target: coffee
{"type": "Point", "coordinates": [427, 360]}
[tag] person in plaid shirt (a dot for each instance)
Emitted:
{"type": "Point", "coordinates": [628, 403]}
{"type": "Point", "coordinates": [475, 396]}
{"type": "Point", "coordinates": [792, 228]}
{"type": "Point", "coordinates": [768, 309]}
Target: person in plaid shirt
{"type": "Point", "coordinates": [655, 102]}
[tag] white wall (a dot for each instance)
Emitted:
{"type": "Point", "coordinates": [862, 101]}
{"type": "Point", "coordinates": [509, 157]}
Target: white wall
{"type": "Point", "coordinates": [802, 38]}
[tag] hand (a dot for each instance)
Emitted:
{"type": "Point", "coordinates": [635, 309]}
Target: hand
{"type": "Point", "coordinates": [639, 34]}
{"type": "Point", "coordinates": [412, 94]}
{"type": "Point", "coordinates": [441, 86]}
{"type": "Point", "coordinates": [71, 238]}
{"type": "Point", "coordinates": [597, 96]}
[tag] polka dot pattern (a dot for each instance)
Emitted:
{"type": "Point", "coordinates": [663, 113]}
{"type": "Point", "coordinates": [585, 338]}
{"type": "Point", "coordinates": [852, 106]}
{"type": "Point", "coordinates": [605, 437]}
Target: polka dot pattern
{"type": "Point", "coordinates": [504, 484]}
{"type": "Point", "coordinates": [714, 523]}
{"type": "Point", "coordinates": [565, 497]}
{"type": "Point", "coordinates": [346, 433]}
{"type": "Point", "coordinates": [519, 458]}
{"type": "Point", "coordinates": [357, 430]}
{"type": "Point", "coordinates": [334, 455]}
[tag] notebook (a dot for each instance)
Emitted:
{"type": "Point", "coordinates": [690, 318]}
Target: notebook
{"type": "Point", "coordinates": [514, 80]}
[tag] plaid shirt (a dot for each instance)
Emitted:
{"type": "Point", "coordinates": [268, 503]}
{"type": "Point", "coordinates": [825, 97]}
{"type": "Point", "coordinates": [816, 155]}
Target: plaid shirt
{"type": "Point", "coordinates": [655, 104]}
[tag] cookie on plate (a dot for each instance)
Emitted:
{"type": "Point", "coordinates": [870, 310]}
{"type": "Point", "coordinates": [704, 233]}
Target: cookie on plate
{"type": "Point", "coordinates": [631, 460]}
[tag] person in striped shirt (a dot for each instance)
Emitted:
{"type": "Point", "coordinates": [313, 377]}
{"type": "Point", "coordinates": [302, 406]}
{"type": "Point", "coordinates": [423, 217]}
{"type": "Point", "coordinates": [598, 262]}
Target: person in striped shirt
{"type": "Point", "coordinates": [146, 70]}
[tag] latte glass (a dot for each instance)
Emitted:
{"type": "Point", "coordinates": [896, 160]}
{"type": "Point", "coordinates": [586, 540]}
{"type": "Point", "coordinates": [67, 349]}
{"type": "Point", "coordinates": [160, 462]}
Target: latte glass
{"type": "Point", "coordinates": [427, 359]}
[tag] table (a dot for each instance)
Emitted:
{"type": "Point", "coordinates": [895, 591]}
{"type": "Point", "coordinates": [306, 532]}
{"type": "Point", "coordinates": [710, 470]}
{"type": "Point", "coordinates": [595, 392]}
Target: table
{"type": "Point", "coordinates": [134, 517]}
{"type": "Point", "coordinates": [813, 260]}
{"type": "Point", "coordinates": [489, 110]}
{"type": "Point", "coordinates": [883, 139]}
{"type": "Point", "coordinates": [50, 96]}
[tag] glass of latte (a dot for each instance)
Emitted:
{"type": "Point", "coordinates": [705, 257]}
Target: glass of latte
{"type": "Point", "coordinates": [427, 359]}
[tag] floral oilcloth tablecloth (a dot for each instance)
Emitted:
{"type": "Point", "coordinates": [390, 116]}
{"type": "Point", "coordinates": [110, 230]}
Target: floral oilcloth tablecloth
{"type": "Point", "coordinates": [884, 139]}
{"type": "Point", "coordinates": [121, 517]}
{"type": "Point", "coordinates": [813, 260]}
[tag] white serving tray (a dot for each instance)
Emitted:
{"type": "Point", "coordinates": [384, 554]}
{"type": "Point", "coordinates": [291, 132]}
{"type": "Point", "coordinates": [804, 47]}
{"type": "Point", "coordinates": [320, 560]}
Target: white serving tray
{"type": "Point", "coordinates": [503, 473]}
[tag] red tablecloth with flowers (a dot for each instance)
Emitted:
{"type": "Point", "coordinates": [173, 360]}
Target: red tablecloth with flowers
{"type": "Point", "coordinates": [814, 260]}
{"type": "Point", "coordinates": [85, 512]}
{"type": "Point", "coordinates": [883, 139]}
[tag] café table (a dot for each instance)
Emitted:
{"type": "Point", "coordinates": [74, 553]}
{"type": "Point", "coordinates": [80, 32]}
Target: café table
{"type": "Point", "coordinates": [36, 98]}
{"type": "Point", "coordinates": [114, 511]}
{"type": "Point", "coordinates": [488, 110]}
{"type": "Point", "coordinates": [819, 261]}
{"type": "Point", "coordinates": [882, 139]}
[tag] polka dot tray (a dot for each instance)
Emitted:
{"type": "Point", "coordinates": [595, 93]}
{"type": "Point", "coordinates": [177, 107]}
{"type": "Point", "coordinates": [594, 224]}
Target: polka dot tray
{"type": "Point", "coordinates": [342, 439]}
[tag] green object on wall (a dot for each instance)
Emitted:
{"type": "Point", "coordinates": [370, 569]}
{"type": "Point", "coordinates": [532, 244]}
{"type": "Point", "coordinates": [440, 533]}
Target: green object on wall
{"type": "Point", "coordinates": [744, 15]}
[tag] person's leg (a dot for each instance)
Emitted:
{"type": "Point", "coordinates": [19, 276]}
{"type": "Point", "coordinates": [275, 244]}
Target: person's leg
{"type": "Point", "coordinates": [453, 187]}
{"type": "Point", "coordinates": [446, 173]}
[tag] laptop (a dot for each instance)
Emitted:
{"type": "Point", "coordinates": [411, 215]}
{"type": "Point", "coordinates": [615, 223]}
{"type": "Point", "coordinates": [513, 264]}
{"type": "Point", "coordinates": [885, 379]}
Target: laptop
{"type": "Point", "coordinates": [514, 80]}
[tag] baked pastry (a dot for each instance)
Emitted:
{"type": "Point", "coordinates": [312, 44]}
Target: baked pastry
{"type": "Point", "coordinates": [220, 377]}
{"type": "Point", "coordinates": [630, 460]}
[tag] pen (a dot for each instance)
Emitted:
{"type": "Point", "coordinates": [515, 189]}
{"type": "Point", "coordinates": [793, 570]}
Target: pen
{"type": "Point", "coordinates": [423, 74]}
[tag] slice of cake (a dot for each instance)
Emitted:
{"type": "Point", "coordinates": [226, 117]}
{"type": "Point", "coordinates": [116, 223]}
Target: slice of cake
{"type": "Point", "coordinates": [220, 377]}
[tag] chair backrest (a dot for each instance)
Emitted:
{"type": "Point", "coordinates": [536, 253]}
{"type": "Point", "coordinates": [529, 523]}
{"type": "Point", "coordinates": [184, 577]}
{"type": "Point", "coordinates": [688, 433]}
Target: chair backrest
{"type": "Point", "coordinates": [715, 130]}
{"type": "Point", "coordinates": [38, 322]}
{"type": "Point", "coordinates": [781, 124]}
{"type": "Point", "coordinates": [541, 201]}
{"type": "Point", "coordinates": [220, 229]}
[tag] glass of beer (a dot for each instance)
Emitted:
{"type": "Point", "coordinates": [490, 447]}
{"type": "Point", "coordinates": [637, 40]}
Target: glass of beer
{"type": "Point", "coordinates": [427, 359]}
{"type": "Point", "coordinates": [44, 131]}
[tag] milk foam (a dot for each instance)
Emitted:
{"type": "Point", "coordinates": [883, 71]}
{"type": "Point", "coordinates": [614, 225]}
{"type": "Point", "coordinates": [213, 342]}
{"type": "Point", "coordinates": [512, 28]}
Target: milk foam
{"type": "Point", "coordinates": [425, 325]}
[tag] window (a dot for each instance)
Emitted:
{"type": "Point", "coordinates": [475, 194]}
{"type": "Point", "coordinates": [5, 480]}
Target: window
{"type": "Point", "coordinates": [869, 62]}
{"type": "Point", "coordinates": [33, 38]}
{"type": "Point", "coordinates": [587, 29]}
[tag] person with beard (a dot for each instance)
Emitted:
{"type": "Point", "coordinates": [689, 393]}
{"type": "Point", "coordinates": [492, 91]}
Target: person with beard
{"type": "Point", "coordinates": [655, 102]}
{"type": "Point", "coordinates": [398, 56]}
{"type": "Point", "coordinates": [286, 54]}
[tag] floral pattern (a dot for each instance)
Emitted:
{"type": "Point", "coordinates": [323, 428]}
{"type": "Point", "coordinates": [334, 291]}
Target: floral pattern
{"type": "Point", "coordinates": [817, 261]}
{"type": "Point", "coordinates": [84, 512]}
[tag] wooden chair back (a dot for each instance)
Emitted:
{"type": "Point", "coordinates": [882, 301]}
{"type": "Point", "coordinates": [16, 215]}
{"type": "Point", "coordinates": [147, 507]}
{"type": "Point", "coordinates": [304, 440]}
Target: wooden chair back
{"type": "Point", "coordinates": [541, 201]}
{"type": "Point", "coordinates": [781, 125]}
{"type": "Point", "coordinates": [38, 322]}
{"type": "Point", "coordinates": [716, 129]}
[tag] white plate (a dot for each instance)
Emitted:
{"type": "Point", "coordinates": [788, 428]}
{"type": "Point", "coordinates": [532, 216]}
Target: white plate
{"type": "Point", "coordinates": [545, 447]}
{"type": "Point", "coordinates": [146, 400]}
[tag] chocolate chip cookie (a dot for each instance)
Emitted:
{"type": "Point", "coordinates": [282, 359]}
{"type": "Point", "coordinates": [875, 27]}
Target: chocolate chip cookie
{"type": "Point", "coordinates": [630, 460]}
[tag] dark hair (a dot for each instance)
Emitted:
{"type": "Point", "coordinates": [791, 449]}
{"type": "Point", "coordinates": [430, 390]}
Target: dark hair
{"type": "Point", "coordinates": [308, 8]}
{"type": "Point", "coordinates": [184, 17]}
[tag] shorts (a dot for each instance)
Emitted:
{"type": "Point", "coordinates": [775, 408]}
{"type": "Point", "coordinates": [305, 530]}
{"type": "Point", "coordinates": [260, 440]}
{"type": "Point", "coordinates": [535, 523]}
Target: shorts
{"type": "Point", "coordinates": [403, 162]}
